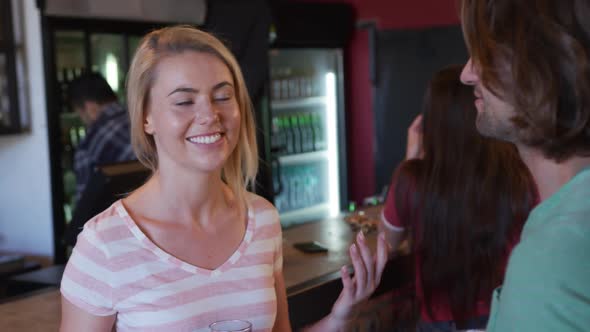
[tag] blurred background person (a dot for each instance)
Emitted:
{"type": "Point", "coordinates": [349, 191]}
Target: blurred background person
{"type": "Point", "coordinates": [461, 199]}
{"type": "Point", "coordinates": [107, 137]}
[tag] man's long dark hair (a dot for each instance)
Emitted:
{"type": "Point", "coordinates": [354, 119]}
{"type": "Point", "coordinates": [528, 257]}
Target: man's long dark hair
{"type": "Point", "coordinates": [536, 55]}
{"type": "Point", "coordinates": [471, 195]}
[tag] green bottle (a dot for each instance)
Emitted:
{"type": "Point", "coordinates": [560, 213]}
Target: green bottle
{"type": "Point", "coordinates": [295, 127]}
{"type": "Point", "coordinates": [289, 135]}
{"type": "Point", "coordinates": [318, 132]}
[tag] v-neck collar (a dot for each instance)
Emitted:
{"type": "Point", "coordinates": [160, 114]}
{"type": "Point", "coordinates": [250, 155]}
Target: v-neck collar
{"type": "Point", "coordinates": [147, 242]}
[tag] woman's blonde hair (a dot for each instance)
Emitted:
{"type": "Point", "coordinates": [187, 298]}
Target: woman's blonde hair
{"type": "Point", "coordinates": [240, 169]}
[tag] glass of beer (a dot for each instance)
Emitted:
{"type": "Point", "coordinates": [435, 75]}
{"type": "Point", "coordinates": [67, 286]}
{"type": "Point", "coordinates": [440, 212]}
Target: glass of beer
{"type": "Point", "coordinates": [233, 325]}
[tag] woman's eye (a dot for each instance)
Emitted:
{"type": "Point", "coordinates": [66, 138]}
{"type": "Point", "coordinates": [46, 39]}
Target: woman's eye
{"type": "Point", "coordinates": [222, 98]}
{"type": "Point", "coordinates": [184, 103]}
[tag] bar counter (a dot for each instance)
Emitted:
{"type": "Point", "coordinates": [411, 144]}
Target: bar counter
{"type": "Point", "coordinates": [312, 280]}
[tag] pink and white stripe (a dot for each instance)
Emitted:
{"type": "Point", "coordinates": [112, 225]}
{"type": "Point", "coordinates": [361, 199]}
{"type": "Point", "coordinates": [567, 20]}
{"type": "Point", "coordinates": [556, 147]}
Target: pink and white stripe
{"type": "Point", "coordinates": [116, 269]}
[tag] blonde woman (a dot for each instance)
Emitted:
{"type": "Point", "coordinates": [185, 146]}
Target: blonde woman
{"type": "Point", "coordinates": [192, 246]}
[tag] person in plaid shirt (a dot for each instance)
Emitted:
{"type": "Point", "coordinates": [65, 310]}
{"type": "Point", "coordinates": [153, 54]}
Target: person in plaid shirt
{"type": "Point", "coordinates": [107, 137]}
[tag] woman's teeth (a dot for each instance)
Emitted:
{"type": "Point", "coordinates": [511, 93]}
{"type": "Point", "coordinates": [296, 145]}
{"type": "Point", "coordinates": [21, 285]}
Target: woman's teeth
{"type": "Point", "coordinates": [205, 139]}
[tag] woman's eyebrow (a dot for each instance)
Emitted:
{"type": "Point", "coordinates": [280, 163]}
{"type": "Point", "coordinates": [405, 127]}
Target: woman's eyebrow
{"type": "Point", "coordinates": [183, 89]}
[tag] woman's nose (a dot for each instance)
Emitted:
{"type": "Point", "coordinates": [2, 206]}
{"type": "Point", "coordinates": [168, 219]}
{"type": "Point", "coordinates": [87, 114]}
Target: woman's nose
{"type": "Point", "coordinates": [207, 113]}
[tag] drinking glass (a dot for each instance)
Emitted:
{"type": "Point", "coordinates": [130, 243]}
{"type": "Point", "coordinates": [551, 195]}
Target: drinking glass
{"type": "Point", "coordinates": [233, 325]}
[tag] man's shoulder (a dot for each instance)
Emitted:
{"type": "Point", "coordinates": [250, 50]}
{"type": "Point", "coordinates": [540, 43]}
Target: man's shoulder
{"type": "Point", "coordinates": [562, 235]}
{"type": "Point", "coordinates": [113, 109]}
{"type": "Point", "coordinates": [113, 120]}
{"type": "Point", "coordinates": [551, 255]}
{"type": "Point", "coordinates": [566, 210]}
{"type": "Point", "coordinates": [546, 283]}
{"type": "Point", "coordinates": [115, 115]}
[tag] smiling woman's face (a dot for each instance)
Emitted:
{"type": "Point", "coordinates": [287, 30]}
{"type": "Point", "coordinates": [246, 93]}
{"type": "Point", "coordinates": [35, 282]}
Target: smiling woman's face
{"type": "Point", "coordinates": [193, 113]}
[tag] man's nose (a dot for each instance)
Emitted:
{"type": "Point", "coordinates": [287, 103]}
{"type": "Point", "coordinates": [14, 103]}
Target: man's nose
{"type": "Point", "coordinates": [468, 74]}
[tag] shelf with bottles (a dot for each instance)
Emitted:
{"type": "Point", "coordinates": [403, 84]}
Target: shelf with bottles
{"type": "Point", "coordinates": [298, 133]}
{"type": "Point", "coordinates": [298, 102]}
{"type": "Point", "coordinates": [304, 157]}
{"type": "Point", "coordinates": [73, 132]}
{"type": "Point", "coordinates": [290, 82]}
{"type": "Point", "coordinates": [299, 186]}
{"type": "Point", "coordinates": [309, 213]}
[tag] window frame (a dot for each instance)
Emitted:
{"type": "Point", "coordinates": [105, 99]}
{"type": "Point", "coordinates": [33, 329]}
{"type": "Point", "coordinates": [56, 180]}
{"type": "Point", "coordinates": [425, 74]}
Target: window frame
{"type": "Point", "coordinates": [8, 48]}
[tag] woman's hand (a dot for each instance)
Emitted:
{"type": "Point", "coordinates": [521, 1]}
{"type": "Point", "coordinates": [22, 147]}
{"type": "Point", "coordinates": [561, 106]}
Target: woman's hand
{"type": "Point", "coordinates": [367, 275]}
{"type": "Point", "coordinates": [414, 146]}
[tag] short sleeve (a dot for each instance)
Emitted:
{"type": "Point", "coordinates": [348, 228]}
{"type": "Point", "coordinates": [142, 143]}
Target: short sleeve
{"type": "Point", "coordinates": [278, 252]}
{"type": "Point", "coordinates": [86, 282]}
{"type": "Point", "coordinates": [401, 208]}
{"type": "Point", "coordinates": [399, 191]}
{"type": "Point", "coordinates": [389, 214]}
{"type": "Point", "coordinates": [278, 261]}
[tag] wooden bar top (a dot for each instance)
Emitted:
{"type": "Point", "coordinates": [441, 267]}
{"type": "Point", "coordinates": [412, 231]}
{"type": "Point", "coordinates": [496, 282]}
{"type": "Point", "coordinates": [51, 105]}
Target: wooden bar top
{"type": "Point", "coordinates": [302, 271]}
{"type": "Point", "coordinates": [305, 270]}
{"type": "Point", "coordinates": [36, 313]}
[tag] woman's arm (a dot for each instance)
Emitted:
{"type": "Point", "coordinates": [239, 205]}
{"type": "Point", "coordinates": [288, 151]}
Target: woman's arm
{"type": "Point", "coordinates": [74, 319]}
{"type": "Point", "coordinates": [367, 275]}
{"type": "Point", "coordinates": [393, 237]}
{"type": "Point", "coordinates": [414, 149]}
{"type": "Point", "coordinates": [282, 323]}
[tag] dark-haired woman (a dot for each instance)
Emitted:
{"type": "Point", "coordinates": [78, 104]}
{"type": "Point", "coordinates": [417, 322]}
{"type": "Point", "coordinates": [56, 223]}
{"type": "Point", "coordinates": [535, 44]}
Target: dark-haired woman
{"type": "Point", "coordinates": [462, 199]}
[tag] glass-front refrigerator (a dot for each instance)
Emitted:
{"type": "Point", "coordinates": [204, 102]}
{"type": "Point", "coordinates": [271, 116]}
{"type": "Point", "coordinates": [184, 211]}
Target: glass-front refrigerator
{"type": "Point", "coordinates": [76, 51]}
{"type": "Point", "coordinates": [72, 47]}
{"type": "Point", "coordinates": [307, 133]}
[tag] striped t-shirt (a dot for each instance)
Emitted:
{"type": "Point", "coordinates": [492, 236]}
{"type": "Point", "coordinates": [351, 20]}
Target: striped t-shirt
{"type": "Point", "coordinates": [116, 269]}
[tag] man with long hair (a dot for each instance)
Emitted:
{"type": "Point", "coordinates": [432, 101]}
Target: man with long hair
{"type": "Point", "coordinates": [461, 199]}
{"type": "Point", "coordinates": [530, 69]}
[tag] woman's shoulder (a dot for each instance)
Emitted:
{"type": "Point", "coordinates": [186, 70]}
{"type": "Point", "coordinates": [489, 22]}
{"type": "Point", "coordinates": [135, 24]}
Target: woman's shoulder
{"type": "Point", "coordinates": [411, 167]}
{"type": "Point", "coordinates": [407, 175]}
{"type": "Point", "coordinates": [261, 208]}
{"type": "Point", "coordinates": [403, 196]}
{"type": "Point", "coordinates": [107, 225]}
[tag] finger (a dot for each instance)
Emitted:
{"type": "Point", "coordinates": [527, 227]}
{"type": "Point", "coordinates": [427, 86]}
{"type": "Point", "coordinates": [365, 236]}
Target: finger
{"type": "Point", "coordinates": [367, 258]}
{"type": "Point", "coordinates": [348, 287]}
{"type": "Point", "coordinates": [360, 273]}
{"type": "Point", "coordinates": [381, 257]}
{"type": "Point", "coordinates": [418, 123]}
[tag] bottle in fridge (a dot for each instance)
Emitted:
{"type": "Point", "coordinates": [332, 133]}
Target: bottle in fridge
{"type": "Point", "coordinates": [308, 138]}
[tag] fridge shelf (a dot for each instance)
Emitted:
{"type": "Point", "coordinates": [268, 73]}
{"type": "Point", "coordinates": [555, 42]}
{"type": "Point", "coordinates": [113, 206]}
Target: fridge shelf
{"type": "Point", "coordinates": [298, 102]}
{"type": "Point", "coordinates": [307, 214]}
{"type": "Point", "coordinates": [306, 157]}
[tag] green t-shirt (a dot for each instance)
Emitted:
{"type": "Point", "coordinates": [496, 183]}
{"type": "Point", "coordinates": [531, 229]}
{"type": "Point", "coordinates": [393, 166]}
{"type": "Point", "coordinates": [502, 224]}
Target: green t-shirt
{"type": "Point", "coordinates": [547, 282]}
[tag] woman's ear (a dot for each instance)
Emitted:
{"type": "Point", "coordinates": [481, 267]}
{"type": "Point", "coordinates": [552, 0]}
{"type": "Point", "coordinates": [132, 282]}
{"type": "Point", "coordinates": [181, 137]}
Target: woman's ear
{"type": "Point", "coordinates": [148, 124]}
